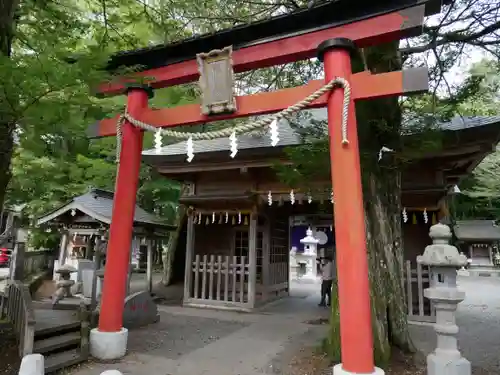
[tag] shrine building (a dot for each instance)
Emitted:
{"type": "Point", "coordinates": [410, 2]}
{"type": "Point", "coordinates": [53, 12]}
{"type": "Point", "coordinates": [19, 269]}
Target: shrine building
{"type": "Point", "coordinates": [239, 209]}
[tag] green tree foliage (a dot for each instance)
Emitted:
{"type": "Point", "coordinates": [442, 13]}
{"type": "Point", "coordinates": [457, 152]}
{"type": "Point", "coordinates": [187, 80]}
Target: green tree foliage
{"type": "Point", "coordinates": [480, 192]}
{"type": "Point", "coordinates": [49, 101]}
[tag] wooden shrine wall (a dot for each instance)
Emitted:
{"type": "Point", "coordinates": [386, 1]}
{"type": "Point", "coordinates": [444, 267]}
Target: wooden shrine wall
{"type": "Point", "coordinates": [216, 239]}
{"type": "Point", "coordinates": [279, 248]}
{"type": "Point", "coordinates": [223, 182]}
{"type": "Point", "coordinates": [239, 181]}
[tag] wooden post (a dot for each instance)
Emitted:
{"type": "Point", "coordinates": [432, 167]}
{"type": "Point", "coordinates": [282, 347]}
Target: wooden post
{"type": "Point", "coordinates": [89, 247]}
{"type": "Point", "coordinates": [149, 265]}
{"type": "Point", "coordinates": [252, 260]}
{"type": "Point", "coordinates": [17, 271]}
{"type": "Point", "coordinates": [63, 246]}
{"type": "Point", "coordinates": [266, 241]}
{"type": "Point", "coordinates": [120, 233]}
{"type": "Point", "coordinates": [188, 273]}
{"type": "Point", "coordinates": [97, 266]}
{"type": "Point", "coordinates": [349, 217]}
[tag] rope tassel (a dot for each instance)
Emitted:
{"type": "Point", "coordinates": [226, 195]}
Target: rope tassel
{"type": "Point", "coordinates": [233, 144]}
{"type": "Point", "coordinates": [158, 141]}
{"type": "Point", "coordinates": [189, 150]}
{"type": "Point", "coordinates": [271, 121]}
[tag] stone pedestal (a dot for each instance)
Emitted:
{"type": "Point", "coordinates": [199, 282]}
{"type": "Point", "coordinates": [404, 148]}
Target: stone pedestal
{"type": "Point", "coordinates": [310, 265]}
{"type": "Point", "coordinates": [444, 260]}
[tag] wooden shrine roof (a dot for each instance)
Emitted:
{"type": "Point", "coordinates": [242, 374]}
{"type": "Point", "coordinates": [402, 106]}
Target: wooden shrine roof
{"type": "Point", "coordinates": [477, 230]}
{"type": "Point", "coordinates": [98, 204]}
{"type": "Point", "coordinates": [290, 137]}
{"type": "Point", "coordinates": [323, 14]}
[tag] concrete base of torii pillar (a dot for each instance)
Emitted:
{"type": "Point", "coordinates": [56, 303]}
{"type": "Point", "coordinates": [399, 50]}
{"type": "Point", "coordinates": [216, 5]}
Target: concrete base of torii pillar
{"type": "Point", "coordinates": [338, 370]}
{"type": "Point", "coordinates": [108, 345]}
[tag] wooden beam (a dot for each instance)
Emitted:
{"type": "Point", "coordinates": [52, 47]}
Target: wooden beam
{"type": "Point", "coordinates": [190, 248]}
{"type": "Point", "coordinates": [376, 30]}
{"type": "Point", "coordinates": [217, 166]}
{"type": "Point", "coordinates": [363, 86]}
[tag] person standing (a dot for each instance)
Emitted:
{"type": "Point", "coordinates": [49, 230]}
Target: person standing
{"type": "Point", "coordinates": [327, 277]}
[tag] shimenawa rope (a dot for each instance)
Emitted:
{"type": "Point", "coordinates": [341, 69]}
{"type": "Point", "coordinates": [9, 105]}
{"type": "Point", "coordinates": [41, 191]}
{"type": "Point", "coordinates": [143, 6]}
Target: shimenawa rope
{"type": "Point", "coordinates": [246, 127]}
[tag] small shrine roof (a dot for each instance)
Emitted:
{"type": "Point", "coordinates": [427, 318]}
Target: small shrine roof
{"type": "Point", "coordinates": [98, 204]}
{"type": "Point", "coordinates": [477, 230]}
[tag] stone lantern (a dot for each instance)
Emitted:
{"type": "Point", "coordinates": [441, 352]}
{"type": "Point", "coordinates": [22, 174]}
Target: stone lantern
{"type": "Point", "coordinates": [64, 284]}
{"type": "Point", "coordinates": [310, 243]}
{"type": "Point", "coordinates": [308, 257]}
{"type": "Point", "coordinates": [443, 261]}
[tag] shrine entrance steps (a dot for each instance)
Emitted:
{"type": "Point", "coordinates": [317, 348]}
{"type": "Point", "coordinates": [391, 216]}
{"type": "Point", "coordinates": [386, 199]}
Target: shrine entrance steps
{"type": "Point", "coordinates": [61, 336]}
{"type": "Point", "coordinates": [58, 338]}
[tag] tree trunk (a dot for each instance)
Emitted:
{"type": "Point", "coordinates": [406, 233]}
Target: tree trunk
{"type": "Point", "coordinates": [169, 253]}
{"type": "Point", "coordinates": [6, 146]}
{"type": "Point", "coordinates": [7, 123]}
{"type": "Point", "coordinates": [379, 124]}
{"type": "Point", "coordinates": [385, 258]}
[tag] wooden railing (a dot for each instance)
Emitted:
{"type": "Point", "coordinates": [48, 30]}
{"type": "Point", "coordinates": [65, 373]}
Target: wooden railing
{"type": "Point", "coordinates": [19, 311]}
{"type": "Point", "coordinates": [220, 278]}
{"type": "Point", "coordinates": [417, 279]}
{"type": "Point", "coordinates": [35, 261]}
{"type": "Point", "coordinates": [278, 273]}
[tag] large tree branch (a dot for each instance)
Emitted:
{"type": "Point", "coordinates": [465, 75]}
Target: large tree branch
{"type": "Point", "coordinates": [455, 37]}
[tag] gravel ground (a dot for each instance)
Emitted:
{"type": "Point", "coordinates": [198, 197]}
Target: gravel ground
{"type": "Point", "coordinates": [176, 335]}
{"type": "Point", "coordinates": [173, 337]}
{"type": "Point", "coordinates": [300, 354]}
{"type": "Point", "coordinates": [478, 318]}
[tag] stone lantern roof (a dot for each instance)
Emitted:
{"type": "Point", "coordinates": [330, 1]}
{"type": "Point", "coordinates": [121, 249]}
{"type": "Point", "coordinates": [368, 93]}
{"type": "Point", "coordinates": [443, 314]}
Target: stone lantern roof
{"type": "Point", "coordinates": [309, 239]}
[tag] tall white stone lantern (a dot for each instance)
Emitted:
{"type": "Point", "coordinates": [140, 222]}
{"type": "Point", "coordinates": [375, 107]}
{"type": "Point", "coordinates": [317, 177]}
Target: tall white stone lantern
{"type": "Point", "coordinates": [309, 255]}
{"type": "Point", "coordinates": [444, 260]}
{"type": "Point", "coordinates": [310, 243]}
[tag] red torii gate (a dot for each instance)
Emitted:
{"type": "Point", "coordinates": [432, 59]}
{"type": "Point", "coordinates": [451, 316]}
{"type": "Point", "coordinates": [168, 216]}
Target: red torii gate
{"type": "Point", "coordinates": [333, 45]}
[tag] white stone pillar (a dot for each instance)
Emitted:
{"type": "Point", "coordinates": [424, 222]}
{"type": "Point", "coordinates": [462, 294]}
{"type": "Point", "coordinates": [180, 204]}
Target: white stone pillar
{"type": "Point", "coordinates": [444, 260]}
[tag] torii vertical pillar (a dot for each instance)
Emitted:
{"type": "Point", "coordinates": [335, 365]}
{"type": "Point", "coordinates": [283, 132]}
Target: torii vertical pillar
{"type": "Point", "coordinates": [352, 262]}
{"type": "Point", "coordinates": [109, 340]}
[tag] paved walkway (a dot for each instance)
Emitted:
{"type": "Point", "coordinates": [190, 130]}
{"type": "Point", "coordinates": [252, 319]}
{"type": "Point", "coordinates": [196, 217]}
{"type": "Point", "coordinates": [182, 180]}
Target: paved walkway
{"type": "Point", "coordinates": [208, 342]}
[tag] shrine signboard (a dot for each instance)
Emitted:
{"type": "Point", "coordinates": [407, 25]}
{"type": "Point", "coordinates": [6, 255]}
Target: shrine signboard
{"type": "Point", "coordinates": [216, 81]}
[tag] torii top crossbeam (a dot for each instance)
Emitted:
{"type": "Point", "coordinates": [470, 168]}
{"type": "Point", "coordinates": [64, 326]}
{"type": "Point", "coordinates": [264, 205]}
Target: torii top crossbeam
{"type": "Point", "coordinates": [332, 31]}
{"type": "Point", "coordinates": [255, 44]}
{"type": "Point", "coordinates": [325, 15]}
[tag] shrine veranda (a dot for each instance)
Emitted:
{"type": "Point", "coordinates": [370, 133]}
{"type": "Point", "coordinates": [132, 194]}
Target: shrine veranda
{"type": "Point", "coordinates": [250, 265]}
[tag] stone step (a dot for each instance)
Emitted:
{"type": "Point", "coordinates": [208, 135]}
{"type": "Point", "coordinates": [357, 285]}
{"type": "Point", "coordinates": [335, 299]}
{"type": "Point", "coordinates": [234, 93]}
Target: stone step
{"type": "Point", "coordinates": [56, 329]}
{"type": "Point", "coordinates": [55, 343]}
{"type": "Point", "coordinates": [55, 322]}
{"type": "Point", "coordinates": [61, 360]}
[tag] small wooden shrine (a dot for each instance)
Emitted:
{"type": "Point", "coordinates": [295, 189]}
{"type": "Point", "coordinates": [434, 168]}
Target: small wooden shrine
{"type": "Point", "coordinates": [241, 213]}
{"type": "Point", "coordinates": [478, 240]}
{"type": "Point", "coordinates": [84, 221]}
